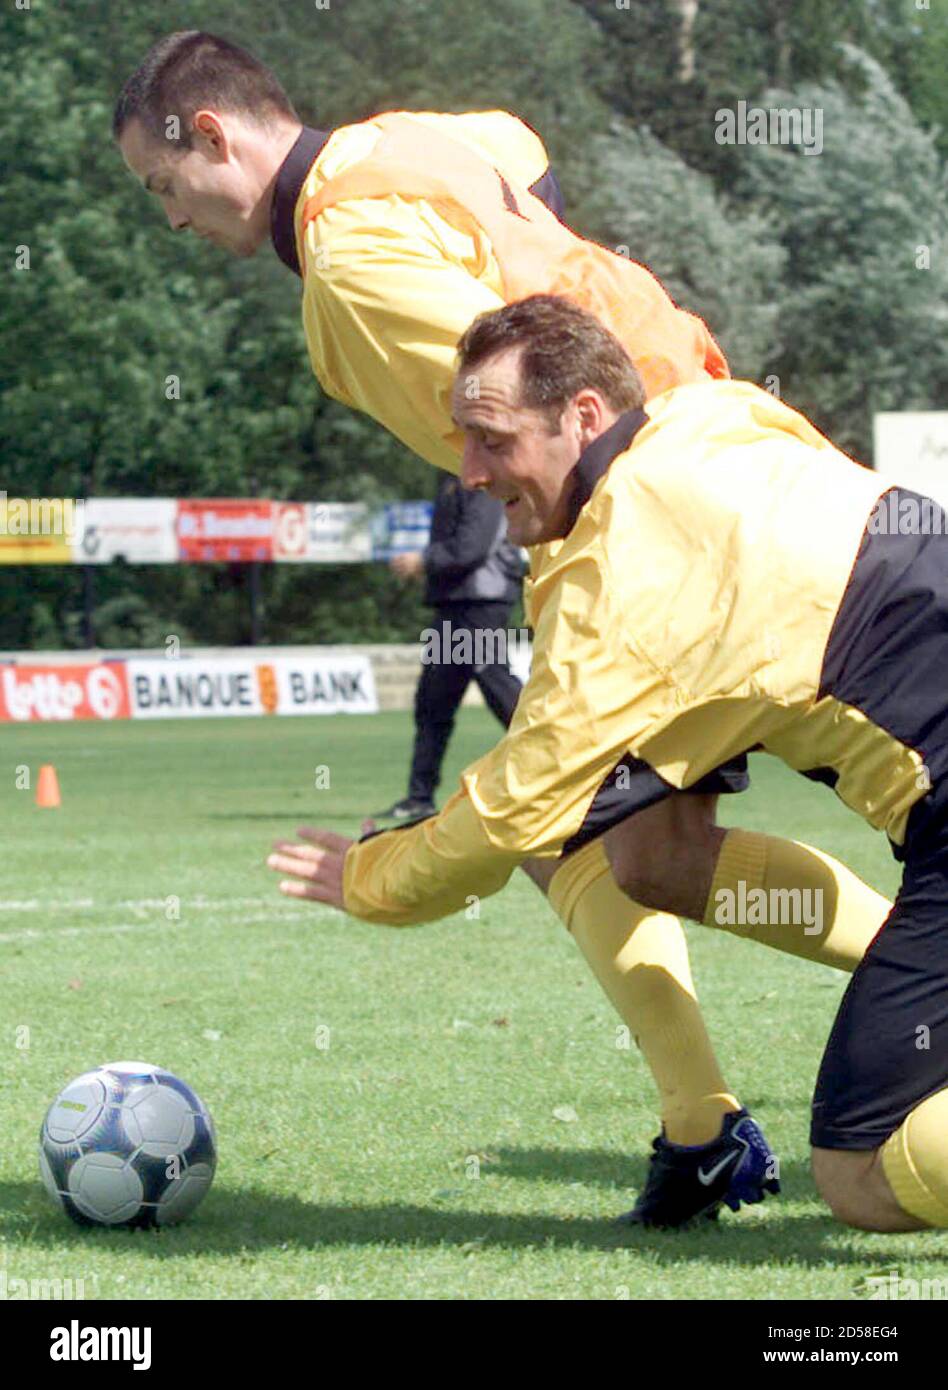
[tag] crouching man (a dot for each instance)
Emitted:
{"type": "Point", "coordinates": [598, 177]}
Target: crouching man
{"type": "Point", "coordinates": [725, 580]}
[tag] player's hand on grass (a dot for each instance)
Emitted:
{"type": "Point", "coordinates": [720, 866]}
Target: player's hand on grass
{"type": "Point", "coordinates": [314, 863]}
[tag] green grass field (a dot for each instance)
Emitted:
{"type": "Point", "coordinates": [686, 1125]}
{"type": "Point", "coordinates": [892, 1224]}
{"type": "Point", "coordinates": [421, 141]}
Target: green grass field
{"type": "Point", "coordinates": [414, 1151]}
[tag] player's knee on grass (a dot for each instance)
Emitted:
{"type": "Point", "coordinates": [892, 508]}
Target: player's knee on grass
{"type": "Point", "coordinates": [843, 1179]}
{"type": "Point", "coordinates": [664, 857]}
{"type": "Point", "coordinates": [862, 1189]}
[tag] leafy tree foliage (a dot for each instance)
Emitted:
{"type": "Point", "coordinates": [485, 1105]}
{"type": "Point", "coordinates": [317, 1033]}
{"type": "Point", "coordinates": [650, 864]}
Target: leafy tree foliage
{"type": "Point", "coordinates": [136, 363]}
{"type": "Point", "coordinates": [862, 309]}
{"type": "Point", "coordinates": [722, 263]}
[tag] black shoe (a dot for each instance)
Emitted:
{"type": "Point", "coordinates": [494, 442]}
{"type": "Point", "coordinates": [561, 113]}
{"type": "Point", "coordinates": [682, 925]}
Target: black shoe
{"type": "Point", "coordinates": [685, 1183]}
{"type": "Point", "coordinates": [407, 810]}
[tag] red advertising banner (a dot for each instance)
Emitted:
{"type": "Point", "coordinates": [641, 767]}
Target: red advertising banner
{"type": "Point", "coordinates": [97, 691]}
{"type": "Point", "coordinates": [222, 529]}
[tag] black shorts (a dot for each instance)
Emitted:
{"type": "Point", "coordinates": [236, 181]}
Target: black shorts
{"type": "Point", "coordinates": [731, 776]}
{"type": "Point", "coordinates": [633, 786]}
{"type": "Point", "coordinates": [888, 1049]}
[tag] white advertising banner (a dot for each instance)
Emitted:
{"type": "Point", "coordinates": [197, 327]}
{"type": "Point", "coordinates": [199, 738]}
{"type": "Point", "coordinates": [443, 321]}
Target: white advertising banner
{"type": "Point", "coordinates": [325, 685]}
{"type": "Point", "coordinates": [912, 445]}
{"type": "Point", "coordinates": [329, 533]}
{"type": "Point", "coordinates": [140, 530]}
{"type": "Point", "coordinates": [194, 688]}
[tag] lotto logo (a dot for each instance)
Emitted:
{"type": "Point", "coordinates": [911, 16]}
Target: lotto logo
{"type": "Point", "coordinates": [63, 692]}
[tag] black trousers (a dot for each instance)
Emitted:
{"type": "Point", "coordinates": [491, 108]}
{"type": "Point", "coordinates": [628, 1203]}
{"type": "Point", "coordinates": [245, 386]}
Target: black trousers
{"type": "Point", "coordinates": [472, 631]}
{"type": "Point", "coordinates": [888, 1050]}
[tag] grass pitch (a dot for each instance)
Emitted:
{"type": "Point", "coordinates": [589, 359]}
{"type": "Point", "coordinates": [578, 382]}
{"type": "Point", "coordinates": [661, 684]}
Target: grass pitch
{"type": "Point", "coordinates": [433, 1112]}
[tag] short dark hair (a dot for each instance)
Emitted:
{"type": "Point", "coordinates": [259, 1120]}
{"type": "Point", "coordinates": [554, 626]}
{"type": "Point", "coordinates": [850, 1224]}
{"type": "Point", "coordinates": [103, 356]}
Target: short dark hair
{"type": "Point", "coordinates": [565, 350]}
{"type": "Point", "coordinates": [190, 69]}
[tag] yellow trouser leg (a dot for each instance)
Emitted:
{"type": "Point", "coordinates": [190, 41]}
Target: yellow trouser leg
{"type": "Point", "coordinates": [915, 1161]}
{"type": "Point", "coordinates": [640, 959]}
{"type": "Point", "coordinates": [812, 906]}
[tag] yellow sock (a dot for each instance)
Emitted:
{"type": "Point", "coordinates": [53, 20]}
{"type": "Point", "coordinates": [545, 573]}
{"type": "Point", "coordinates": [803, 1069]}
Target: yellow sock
{"type": "Point", "coordinates": [915, 1161]}
{"type": "Point", "coordinates": [640, 959]}
{"type": "Point", "coordinates": [820, 909]}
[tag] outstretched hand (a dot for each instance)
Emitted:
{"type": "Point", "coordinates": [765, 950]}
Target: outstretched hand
{"type": "Point", "coordinates": [315, 864]}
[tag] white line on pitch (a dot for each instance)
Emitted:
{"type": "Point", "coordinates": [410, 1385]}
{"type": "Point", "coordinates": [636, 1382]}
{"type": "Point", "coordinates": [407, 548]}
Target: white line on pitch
{"type": "Point", "coordinates": [133, 904]}
{"type": "Point", "coordinates": [58, 933]}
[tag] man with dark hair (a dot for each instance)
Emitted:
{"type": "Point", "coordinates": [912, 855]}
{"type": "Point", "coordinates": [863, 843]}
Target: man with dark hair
{"type": "Point", "coordinates": [191, 69]}
{"type": "Point", "coordinates": [206, 127]}
{"type": "Point", "coordinates": [770, 603]}
{"type": "Point", "coordinates": [403, 228]}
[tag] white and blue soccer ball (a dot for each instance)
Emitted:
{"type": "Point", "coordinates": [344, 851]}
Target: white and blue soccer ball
{"type": "Point", "coordinates": [127, 1145]}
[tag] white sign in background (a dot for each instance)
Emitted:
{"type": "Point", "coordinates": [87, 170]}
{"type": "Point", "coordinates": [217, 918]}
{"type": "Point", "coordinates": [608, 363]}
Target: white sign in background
{"type": "Point", "coordinates": [185, 689]}
{"type": "Point", "coordinates": [140, 530]}
{"type": "Point", "coordinates": [322, 532]}
{"type": "Point", "coordinates": [234, 686]}
{"type": "Point", "coordinates": [326, 685]}
{"type": "Point", "coordinates": [912, 446]}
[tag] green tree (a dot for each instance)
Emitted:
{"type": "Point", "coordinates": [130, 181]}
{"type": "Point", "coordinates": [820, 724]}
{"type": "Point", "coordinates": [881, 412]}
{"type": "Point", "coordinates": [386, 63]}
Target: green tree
{"type": "Point", "coordinates": [862, 312]}
{"type": "Point", "coordinates": [671, 64]}
{"type": "Point", "coordinates": [136, 363]}
{"type": "Point", "coordinates": [720, 262]}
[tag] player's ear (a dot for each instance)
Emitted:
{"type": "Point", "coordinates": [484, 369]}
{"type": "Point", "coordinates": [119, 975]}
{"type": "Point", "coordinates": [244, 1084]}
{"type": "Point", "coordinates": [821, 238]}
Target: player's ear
{"type": "Point", "coordinates": [589, 410]}
{"type": "Point", "coordinates": [209, 135]}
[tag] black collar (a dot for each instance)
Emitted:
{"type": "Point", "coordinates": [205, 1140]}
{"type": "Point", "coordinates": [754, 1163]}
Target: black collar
{"type": "Point", "coordinates": [597, 456]}
{"type": "Point", "coordinates": [290, 180]}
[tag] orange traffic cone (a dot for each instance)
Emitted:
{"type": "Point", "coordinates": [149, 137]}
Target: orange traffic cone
{"type": "Point", "coordinates": [47, 788]}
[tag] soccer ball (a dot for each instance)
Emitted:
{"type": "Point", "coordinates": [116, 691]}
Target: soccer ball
{"type": "Point", "coordinates": [127, 1145]}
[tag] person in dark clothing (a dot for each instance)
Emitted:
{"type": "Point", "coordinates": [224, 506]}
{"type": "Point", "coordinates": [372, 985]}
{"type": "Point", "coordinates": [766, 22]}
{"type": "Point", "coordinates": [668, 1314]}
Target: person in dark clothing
{"type": "Point", "coordinates": [473, 576]}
